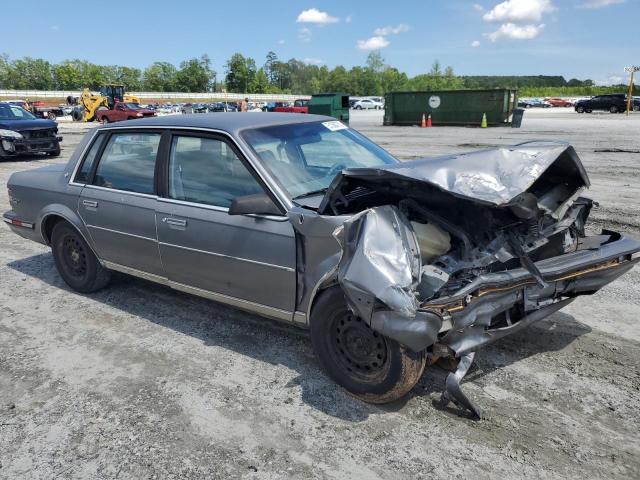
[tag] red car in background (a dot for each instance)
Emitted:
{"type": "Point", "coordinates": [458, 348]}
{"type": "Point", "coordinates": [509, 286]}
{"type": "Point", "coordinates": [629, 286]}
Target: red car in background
{"type": "Point", "coordinates": [299, 106]}
{"type": "Point", "coordinates": [123, 111]}
{"type": "Point", "coordinates": [559, 102]}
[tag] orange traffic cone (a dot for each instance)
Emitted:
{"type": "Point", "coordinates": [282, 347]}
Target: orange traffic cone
{"type": "Point", "coordinates": [429, 121]}
{"type": "Point", "coordinates": [424, 122]}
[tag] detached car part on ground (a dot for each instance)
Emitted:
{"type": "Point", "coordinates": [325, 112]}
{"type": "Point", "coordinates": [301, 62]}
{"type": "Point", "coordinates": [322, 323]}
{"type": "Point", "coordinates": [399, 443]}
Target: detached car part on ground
{"type": "Point", "coordinates": [387, 263]}
{"type": "Point", "coordinates": [23, 133]}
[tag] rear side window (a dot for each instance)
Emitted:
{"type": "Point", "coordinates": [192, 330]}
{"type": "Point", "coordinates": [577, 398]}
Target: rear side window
{"type": "Point", "coordinates": [128, 162]}
{"type": "Point", "coordinates": [82, 176]}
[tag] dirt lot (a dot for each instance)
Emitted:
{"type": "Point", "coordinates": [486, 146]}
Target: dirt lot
{"type": "Point", "coordinates": [138, 381]}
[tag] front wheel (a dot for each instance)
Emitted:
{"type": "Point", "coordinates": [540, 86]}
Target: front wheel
{"type": "Point", "coordinates": [366, 364]}
{"type": "Point", "coordinates": [104, 120]}
{"type": "Point", "coordinates": [580, 109]}
{"type": "Point", "coordinates": [75, 261]}
{"type": "Point", "coordinates": [613, 109]}
{"type": "Point", "coordinates": [51, 116]}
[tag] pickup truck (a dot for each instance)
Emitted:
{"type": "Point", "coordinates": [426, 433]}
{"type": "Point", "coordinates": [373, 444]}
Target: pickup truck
{"type": "Point", "coordinates": [123, 111]}
{"type": "Point", "coordinates": [299, 106]}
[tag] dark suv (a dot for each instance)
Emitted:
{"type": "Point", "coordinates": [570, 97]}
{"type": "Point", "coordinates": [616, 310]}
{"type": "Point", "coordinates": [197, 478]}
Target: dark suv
{"type": "Point", "coordinates": [613, 103]}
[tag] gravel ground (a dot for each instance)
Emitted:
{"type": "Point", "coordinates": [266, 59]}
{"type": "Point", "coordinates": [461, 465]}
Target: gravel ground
{"type": "Point", "coordinates": [138, 381]}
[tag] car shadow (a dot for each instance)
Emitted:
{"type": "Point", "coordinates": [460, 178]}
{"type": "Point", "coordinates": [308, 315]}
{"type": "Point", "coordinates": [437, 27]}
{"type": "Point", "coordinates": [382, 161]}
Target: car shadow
{"type": "Point", "coordinates": [280, 344]}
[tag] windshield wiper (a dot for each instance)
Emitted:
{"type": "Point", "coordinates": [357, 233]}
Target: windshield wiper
{"type": "Point", "coordinates": [312, 193]}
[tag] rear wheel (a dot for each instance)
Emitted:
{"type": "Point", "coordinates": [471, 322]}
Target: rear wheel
{"type": "Point", "coordinates": [104, 120]}
{"type": "Point", "coordinates": [368, 365]}
{"type": "Point", "coordinates": [580, 109]}
{"type": "Point", "coordinates": [51, 116]}
{"type": "Point", "coordinates": [75, 261]}
{"type": "Point", "coordinates": [613, 109]}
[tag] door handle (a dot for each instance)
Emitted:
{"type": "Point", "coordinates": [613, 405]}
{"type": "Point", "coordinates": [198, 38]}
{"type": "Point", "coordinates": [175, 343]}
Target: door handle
{"type": "Point", "coordinates": [90, 203]}
{"type": "Point", "coordinates": [176, 222]}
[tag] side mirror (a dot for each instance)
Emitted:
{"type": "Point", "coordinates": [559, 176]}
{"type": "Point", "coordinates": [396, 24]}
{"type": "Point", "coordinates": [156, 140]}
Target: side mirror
{"type": "Point", "coordinates": [257, 204]}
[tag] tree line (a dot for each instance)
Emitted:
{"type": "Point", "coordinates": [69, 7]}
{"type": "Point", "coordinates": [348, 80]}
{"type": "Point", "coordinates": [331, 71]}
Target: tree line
{"type": "Point", "coordinates": [244, 75]}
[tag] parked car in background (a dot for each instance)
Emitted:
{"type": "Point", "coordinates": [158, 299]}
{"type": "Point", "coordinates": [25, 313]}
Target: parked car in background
{"type": "Point", "coordinates": [39, 109]}
{"type": "Point", "coordinates": [22, 133]}
{"type": "Point", "coordinates": [613, 103]}
{"type": "Point", "coordinates": [123, 111]}
{"type": "Point", "coordinates": [217, 107]}
{"type": "Point", "coordinates": [558, 102]}
{"type": "Point", "coordinates": [299, 106]}
{"type": "Point", "coordinates": [368, 104]}
{"type": "Point", "coordinates": [310, 223]}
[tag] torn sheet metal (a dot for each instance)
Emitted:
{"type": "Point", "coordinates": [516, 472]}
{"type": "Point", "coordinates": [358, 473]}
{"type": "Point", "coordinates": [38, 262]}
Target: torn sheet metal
{"type": "Point", "coordinates": [492, 177]}
{"type": "Point", "coordinates": [379, 272]}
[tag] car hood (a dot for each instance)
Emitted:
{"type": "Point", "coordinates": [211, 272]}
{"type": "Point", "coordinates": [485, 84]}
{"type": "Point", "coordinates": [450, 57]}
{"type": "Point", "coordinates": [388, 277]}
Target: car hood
{"type": "Point", "coordinates": [20, 125]}
{"type": "Point", "coordinates": [550, 171]}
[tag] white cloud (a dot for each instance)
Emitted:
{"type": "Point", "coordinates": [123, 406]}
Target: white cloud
{"type": "Point", "coordinates": [312, 61]}
{"type": "Point", "coordinates": [594, 4]}
{"type": "Point", "coordinates": [384, 31]}
{"type": "Point", "coordinates": [304, 34]}
{"type": "Point", "coordinates": [313, 15]}
{"type": "Point", "coordinates": [611, 80]}
{"type": "Point", "coordinates": [348, 19]}
{"type": "Point", "coordinates": [475, 44]}
{"type": "Point", "coordinates": [477, 7]}
{"type": "Point", "coordinates": [281, 42]}
{"type": "Point", "coordinates": [373, 43]}
{"type": "Point", "coordinates": [519, 11]}
{"type": "Point", "coordinates": [516, 32]}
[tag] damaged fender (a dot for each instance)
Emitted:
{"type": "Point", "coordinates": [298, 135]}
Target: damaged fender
{"type": "Point", "coordinates": [379, 272]}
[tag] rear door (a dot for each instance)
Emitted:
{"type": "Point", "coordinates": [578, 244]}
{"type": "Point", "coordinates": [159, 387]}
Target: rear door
{"type": "Point", "coordinates": [118, 201]}
{"type": "Point", "coordinates": [245, 260]}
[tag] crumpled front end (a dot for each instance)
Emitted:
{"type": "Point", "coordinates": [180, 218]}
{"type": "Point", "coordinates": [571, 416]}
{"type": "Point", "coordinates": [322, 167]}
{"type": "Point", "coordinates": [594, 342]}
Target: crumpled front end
{"type": "Point", "coordinates": [455, 264]}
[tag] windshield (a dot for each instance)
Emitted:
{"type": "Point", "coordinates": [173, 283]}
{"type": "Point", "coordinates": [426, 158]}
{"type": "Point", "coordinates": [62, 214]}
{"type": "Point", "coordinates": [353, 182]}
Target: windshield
{"type": "Point", "coordinates": [13, 112]}
{"type": "Point", "coordinates": [133, 106]}
{"type": "Point", "coordinates": [305, 157]}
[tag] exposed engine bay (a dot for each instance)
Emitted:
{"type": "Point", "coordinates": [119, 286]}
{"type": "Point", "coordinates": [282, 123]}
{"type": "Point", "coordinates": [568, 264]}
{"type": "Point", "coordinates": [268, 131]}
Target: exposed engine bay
{"type": "Point", "coordinates": [453, 253]}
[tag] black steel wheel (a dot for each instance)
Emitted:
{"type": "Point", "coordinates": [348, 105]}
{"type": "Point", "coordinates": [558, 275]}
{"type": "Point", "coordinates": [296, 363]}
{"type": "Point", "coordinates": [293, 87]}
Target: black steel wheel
{"type": "Point", "coordinates": [368, 365]}
{"type": "Point", "coordinates": [75, 261]}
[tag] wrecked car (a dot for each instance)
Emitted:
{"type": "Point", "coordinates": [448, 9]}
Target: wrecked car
{"type": "Point", "coordinates": [302, 219]}
{"type": "Point", "coordinates": [21, 133]}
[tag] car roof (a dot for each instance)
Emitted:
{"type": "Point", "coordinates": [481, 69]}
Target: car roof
{"type": "Point", "coordinates": [231, 122]}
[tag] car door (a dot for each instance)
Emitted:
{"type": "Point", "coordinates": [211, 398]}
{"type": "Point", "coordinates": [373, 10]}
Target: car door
{"type": "Point", "coordinates": [118, 201]}
{"type": "Point", "coordinates": [245, 260]}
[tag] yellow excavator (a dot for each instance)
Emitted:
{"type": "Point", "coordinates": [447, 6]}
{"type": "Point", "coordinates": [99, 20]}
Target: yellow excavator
{"type": "Point", "coordinates": [89, 104]}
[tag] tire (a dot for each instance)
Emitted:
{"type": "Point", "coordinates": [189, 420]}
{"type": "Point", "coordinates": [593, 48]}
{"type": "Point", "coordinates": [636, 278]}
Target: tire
{"type": "Point", "coordinates": [104, 120]}
{"type": "Point", "coordinates": [75, 261]}
{"type": "Point", "coordinates": [369, 366]}
{"type": "Point", "coordinates": [580, 109]}
{"type": "Point", "coordinates": [636, 108]}
{"type": "Point", "coordinates": [588, 110]}
{"type": "Point", "coordinates": [51, 116]}
{"type": "Point", "coordinates": [55, 153]}
{"type": "Point", "coordinates": [358, 107]}
{"type": "Point", "coordinates": [613, 109]}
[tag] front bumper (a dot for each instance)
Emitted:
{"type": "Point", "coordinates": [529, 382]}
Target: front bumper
{"type": "Point", "coordinates": [498, 304]}
{"type": "Point", "coordinates": [19, 146]}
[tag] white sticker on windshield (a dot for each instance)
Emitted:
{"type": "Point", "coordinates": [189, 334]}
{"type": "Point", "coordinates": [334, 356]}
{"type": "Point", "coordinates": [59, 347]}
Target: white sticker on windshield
{"type": "Point", "coordinates": [335, 125]}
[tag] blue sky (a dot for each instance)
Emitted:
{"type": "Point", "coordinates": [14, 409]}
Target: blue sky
{"type": "Point", "coordinates": [576, 38]}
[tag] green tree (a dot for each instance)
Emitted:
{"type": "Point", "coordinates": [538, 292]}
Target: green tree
{"type": "Point", "coordinates": [159, 77]}
{"type": "Point", "coordinates": [30, 73]}
{"type": "Point", "coordinates": [195, 75]}
{"type": "Point", "coordinates": [240, 72]}
{"type": "Point", "coordinates": [260, 82]}
{"type": "Point", "coordinates": [375, 62]}
{"type": "Point", "coordinates": [269, 70]}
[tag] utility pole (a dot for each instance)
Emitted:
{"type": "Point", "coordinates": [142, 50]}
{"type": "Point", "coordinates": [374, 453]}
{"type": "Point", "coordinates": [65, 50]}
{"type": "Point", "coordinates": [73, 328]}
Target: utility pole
{"type": "Point", "coordinates": [632, 70]}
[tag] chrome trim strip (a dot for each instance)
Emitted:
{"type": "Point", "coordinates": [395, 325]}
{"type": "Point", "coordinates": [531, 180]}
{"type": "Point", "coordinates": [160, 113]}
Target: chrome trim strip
{"type": "Point", "coordinates": [253, 307]}
{"type": "Point", "coordinates": [135, 272]}
{"type": "Point", "coordinates": [276, 218]}
{"type": "Point", "coordinates": [300, 318]}
{"type": "Point", "coordinates": [121, 233]}
{"type": "Point", "coordinates": [255, 262]}
{"type": "Point", "coordinates": [127, 192]}
{"type": "Point", "coordinates": [260, 309]}
{"type": "Point", "coordinates": [24, 224]}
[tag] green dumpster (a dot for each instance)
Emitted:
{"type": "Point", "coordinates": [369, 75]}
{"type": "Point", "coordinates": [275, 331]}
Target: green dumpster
{"type": "Point", "coordinates": [331, 104]}
{"type": "Point", "coordinates": [451, 107]}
